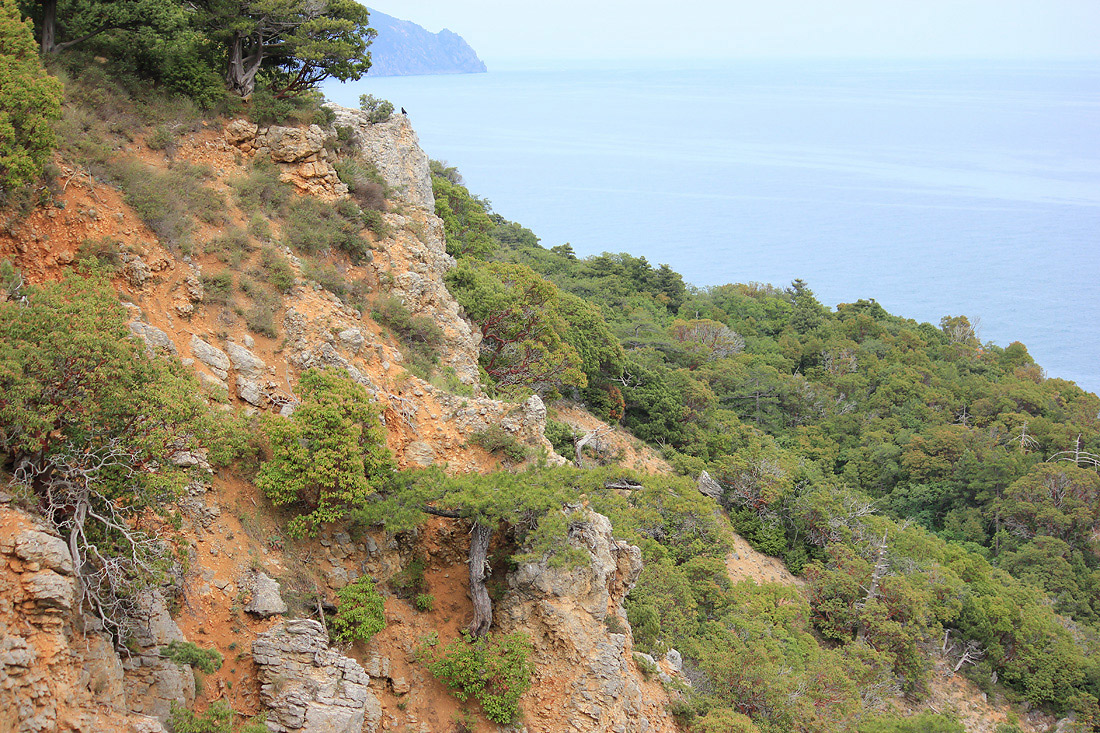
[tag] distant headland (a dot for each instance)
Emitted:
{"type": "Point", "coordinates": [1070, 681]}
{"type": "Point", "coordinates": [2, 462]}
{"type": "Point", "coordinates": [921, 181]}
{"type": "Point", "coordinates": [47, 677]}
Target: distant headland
{"type": "Point", "coordinates": [403, 48]}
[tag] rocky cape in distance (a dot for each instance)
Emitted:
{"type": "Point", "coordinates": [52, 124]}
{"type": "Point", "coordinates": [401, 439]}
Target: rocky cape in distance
{"type": "Point", "coordinates": [404, 48]}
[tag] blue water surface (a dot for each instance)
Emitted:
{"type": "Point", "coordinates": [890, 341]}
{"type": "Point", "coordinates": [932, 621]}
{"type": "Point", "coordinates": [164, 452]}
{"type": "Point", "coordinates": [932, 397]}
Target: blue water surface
{"type": "Point", "coordinates": [937, 189]}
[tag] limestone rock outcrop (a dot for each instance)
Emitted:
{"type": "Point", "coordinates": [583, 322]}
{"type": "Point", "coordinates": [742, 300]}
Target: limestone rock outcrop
{"type": "Point", "coordinates": [394, 149]}
{"type": "Point", "coordinates": [308, 687]}
{"type": "Point", "coordinates": [299, 152]}
{"type": "Point", "coordinates": [54, 676]}
{"type": "Point", "coordinates": [266, 599]}
{"type": "Point", "coordinates": [585, 674]}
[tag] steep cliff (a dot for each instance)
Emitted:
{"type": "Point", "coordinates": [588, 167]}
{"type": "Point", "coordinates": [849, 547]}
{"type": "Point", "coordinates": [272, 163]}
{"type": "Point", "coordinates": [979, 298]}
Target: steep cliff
{"type": "Point", "coordinates": [250, 591]}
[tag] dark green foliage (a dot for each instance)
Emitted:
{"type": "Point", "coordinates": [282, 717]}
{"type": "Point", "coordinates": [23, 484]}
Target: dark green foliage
{"type": "Point", "coordinates": [260, 315]}
{"type": "Point", "coordinates": [378, 110]}
{"type": "Point", "coordinates": [494, 670]}
{"type": "Point", "coordinates": [421, 337]}
{"type": "Point", "coordinates": [466, 221]}
{"type": "Point", "coordinates": [496, 439]}
{"type": "Point", "coordinates": [424, 602]}
{"type": "Point", "coordinates": [359, 612]}
{"type": "Point", "coordinates": [560, 436]}
{"type": "Point", "coordinates": [30, 101]}
{"type": "Point", "coordinates": [330, 456]}
{"type": "Point", "coordinates": [313, 226]}
{"type": "Point", "coordinates": [188, 652]}
{"type": "Point", "coordinates": [85, 414]}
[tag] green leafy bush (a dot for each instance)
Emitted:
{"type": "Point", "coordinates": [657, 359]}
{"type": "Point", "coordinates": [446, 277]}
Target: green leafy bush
{"type": "Point", "coordinates": [261, 189]}
{"type": "Point", "coordinates": [218, 288]}
{"type": "Point", "coordinates": [168, 202]}
{"type": "Point", "coordinates": [276, 269]}
{"type": "Point", "coordinates": [494, 670]}
{"type": "Point", "coordinates": [330, 456]}
{"type": "Point", "coordinates": [188, 652]}
{"type": "Point", "coordinates": [218, 718]}
{"type": "Point", "coordinates": [378, 110]}
{"type": "Point", "coordinates": [30, 101]}
{"type": "Point", "coordinates": [410, 580]}
{"type": "Point", "coordinates": [421, 336]}
{"type": "Point", "coordinates": [314, 226]}
{"type": "Point", "coordinates": [360, 613]}
{"type": "Point", "coordinates": [424, 602]}
{"type": "Point", "coordinates": [496, 439]}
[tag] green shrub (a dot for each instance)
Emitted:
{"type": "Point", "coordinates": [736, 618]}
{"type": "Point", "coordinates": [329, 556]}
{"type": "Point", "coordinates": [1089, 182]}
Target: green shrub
{"type": "Point", "coordinates": [259, 227]}
{"type": "Point", "coordinates": [422, 338]}
{"type": "Point", "coordinates": [218, 287]}
{"type": "Point", "coordinates": [276, 269]}
{"type": "Point", "coordinates": [496, 439]}
{"type": "Point", "coordinates": [330, 456]}
{"type": "Point", "coordinates": [378, 110]}
{"type": "Point", "coordinates": [268, 109]}
{"type": "Point", "coordinates": [364, 182]}
{"type": "Point", "coordinates": [218, 718]}
{"type": "Point", "coordinates": [101, 252]}
{"type": "Point", "coordinates": [410, 580]}
{"type": "Point", "coordinates": [260, 316]}
{"type": "Point", "coordinates": [313, 226]}
{"type": "Point", "coordinates": [494, 670]}
{"type": "Point", "coordinates": [232, 247]}
{"type": "Point", "coordinates": [30, 101]}
{"type": "Point", "coordinates": [360, 613]}
{"type": "Point", "coordinates": [424, 602]}
{"type": "Point", "coordinates": [645, 666]}
{"type": "Point", "coordinates": [560, 436]}
{"type": "Point", "coordinates": [325, 274]}
{"type": "Point", "coordinates": [188, 652]}
{"type": "Point", "coordinates": [261, 189]}
{"type": "Point", "coordinates": [168, 202]}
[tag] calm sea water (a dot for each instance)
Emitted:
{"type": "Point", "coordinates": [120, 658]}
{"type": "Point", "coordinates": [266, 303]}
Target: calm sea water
{"type": "Point", "coordinates": [968, 188]}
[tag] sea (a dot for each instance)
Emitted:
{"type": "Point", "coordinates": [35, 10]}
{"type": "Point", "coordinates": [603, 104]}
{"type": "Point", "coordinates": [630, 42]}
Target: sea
{"type": "Point", "coordinates": [949, 188]}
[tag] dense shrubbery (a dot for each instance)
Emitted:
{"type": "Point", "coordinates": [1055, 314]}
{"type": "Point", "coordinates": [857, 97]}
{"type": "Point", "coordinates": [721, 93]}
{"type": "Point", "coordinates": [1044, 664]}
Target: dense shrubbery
{"type": "Point", "coordinates": [330, 456]}
{"type": "Point", "coordinates": [188, 652]}
{"type": "Point", "coordinates": [360, 613]}
{"type": "Point", "coordinates": [494, 670]}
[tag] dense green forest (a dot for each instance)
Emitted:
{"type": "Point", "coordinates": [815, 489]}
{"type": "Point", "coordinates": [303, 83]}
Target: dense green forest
{"type": "Point", "coordinates": [939, 495]}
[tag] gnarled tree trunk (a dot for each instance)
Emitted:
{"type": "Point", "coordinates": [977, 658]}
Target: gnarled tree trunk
{"type": "Point", "coordinates": [241, 75]}
{"type": "Point", "coordinates": [480, 536]}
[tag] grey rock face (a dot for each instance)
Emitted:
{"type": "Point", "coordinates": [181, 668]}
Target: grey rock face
{"type": "Point", "coordinates": [310, 688]}
{"type": "Point", "coordinates": [394, 148]}
{"type": "Point", "coordinates": [154, 338]}
{"type": "Point", "coordinates": [244, 361]}
{"type": "Point", "coordinates": [153, 683]}
{"type": "Point", "coordinates": [266, 600]}
{"type": "Point", "coordinates": [49, 590]}
{"type": "Point", "coordinates": [211, 356]}
{"type": "Point", "coordinates": [709, 486]}
{"type": "Point", "coordinates": [45, 549]}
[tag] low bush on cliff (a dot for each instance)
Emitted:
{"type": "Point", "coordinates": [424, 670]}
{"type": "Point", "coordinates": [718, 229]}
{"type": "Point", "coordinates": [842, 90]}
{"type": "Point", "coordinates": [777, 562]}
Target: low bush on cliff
{"type": "Point", "coordinates": [494, 670]}
{"type": "Point", "coordinates": [330, 456]}
{"type": "Point", "coordinates": [421, 337]}
{"type": "Point", "coordinates": [188, 652]}
{"type": "Point", "coordinates": [359, 613]}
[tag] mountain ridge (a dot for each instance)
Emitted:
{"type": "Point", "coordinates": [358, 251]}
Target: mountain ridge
{"type": "Point", "coordinates": [404, 48]}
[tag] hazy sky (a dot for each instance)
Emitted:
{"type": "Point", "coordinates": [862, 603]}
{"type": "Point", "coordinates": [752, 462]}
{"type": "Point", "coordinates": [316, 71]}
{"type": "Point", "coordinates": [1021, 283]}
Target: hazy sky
{"type": "Point", "coordinates": [519, 29]}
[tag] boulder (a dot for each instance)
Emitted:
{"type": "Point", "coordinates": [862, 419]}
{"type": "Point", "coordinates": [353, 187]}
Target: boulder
{"type": "Point", "coordinates": [47, 550]}
{"type": "Point", "coordinates": [266, 599]}
{"type": "Point", "coordinates": [310, 688]}
{"type": "Point", "coordinates": [244, 361]}
{"type": "Point", "coordinates": [211, 356]}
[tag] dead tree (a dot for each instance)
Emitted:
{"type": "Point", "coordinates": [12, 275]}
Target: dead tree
{"type": "Point", "coordinates": [481, 535]}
